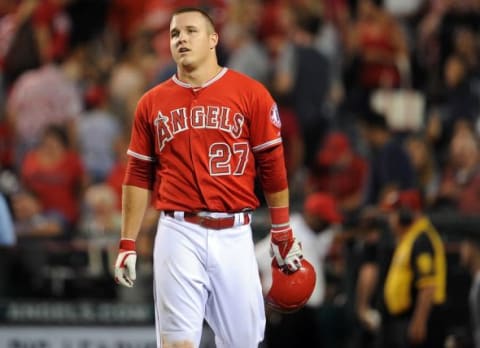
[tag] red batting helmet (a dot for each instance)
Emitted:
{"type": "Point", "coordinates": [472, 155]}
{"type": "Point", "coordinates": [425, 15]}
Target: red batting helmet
{"type": "Point", "coordinates": [290, 291]}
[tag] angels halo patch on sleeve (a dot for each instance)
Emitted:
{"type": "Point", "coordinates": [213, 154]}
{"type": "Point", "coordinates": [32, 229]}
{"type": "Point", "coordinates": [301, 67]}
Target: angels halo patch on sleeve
{"type": "Point", "coordinates": [275, 116]}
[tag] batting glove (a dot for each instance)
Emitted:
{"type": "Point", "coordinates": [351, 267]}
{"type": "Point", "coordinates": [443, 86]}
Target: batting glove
{"type": "Point", "coordinates": [286, 249]}
{"type": "Point", "coordinates": [125, 265]}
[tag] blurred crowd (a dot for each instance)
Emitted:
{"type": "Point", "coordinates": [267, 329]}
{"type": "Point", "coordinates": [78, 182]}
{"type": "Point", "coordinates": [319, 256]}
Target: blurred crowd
{"type": "Point", "coordinates": [375, 97]}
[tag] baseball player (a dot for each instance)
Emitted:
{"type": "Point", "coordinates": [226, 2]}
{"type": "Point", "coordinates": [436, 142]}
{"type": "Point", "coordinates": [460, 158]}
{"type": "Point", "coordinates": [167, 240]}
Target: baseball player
{"type": "Point", "coordinates": [197, 142]}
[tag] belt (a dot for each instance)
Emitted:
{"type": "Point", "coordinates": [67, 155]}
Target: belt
{"type": "Point", "coordinates": [214, 223]}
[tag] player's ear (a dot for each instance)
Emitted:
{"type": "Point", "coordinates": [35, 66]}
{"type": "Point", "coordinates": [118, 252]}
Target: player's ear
{"type": "Point", "coordinates": [213, 40]}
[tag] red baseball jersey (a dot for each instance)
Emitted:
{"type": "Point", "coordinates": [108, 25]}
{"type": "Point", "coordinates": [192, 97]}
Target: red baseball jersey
{"type": "Point", "coordinates": [203, 141]}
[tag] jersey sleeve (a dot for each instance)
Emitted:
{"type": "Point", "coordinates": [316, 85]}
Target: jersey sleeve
{"type": "Point", "coordinates": [265, 124]}
{"type": "Point", "coordinates": [142, 137]}
{"type": "Point", "coordinates": [423, 265]}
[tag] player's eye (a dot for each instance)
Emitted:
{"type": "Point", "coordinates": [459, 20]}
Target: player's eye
{"type": "Point", "coordinates": [174, 33]}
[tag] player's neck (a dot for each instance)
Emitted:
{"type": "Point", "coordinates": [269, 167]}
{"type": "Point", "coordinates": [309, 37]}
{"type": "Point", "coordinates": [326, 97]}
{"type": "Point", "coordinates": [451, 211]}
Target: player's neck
{"type": "Point", "coordinates": [197, 77]}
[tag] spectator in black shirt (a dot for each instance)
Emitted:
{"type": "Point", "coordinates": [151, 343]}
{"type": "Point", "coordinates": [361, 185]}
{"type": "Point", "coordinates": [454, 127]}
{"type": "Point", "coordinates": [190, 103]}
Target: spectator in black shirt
{"type": "Point", "coordinates": [390, 164]}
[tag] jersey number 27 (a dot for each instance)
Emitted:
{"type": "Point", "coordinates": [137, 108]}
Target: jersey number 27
{"type": "Point", "coordinates": [226, 159]}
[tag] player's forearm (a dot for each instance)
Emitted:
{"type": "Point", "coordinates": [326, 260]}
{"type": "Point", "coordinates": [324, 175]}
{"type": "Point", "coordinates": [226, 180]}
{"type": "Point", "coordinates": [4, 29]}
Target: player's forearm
{"type": "Point", "coordinates": [277, 199]}
{"type": "Point", "coordinates": [135, 201]}
{"type": "Point", "coordinates": [278, 204]}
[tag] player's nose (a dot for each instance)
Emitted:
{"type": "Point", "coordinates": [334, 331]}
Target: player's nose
{"type": "Point", "coordinates": [182, 37]}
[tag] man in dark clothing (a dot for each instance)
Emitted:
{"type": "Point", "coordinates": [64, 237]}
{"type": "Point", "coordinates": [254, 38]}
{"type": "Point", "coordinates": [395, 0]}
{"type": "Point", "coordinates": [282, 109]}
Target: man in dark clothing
{"type": "Point", "coordinates": [302, 80]}
{"type": "Point", "coordinates": [390, 164]}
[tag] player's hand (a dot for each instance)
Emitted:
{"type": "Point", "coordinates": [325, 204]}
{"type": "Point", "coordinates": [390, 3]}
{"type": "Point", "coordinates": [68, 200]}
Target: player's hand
{"type": "Point", "coordinates": [125, 273]}
{"type": "Point", "coordinates": [286, 249]}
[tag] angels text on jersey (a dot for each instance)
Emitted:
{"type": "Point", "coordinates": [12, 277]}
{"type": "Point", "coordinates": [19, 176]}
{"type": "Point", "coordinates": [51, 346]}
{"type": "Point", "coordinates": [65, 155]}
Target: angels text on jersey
{"type": "Point", "coordinates": [199, 117]}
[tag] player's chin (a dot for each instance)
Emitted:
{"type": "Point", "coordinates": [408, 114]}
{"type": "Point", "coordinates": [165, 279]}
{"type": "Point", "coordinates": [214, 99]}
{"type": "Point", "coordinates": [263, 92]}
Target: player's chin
{"type": "Point", "coordinates": [187, 64]}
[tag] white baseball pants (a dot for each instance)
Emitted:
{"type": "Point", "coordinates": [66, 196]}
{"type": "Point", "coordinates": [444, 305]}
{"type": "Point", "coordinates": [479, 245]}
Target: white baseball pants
{"type": "Point", "coordinates": [213, 274]}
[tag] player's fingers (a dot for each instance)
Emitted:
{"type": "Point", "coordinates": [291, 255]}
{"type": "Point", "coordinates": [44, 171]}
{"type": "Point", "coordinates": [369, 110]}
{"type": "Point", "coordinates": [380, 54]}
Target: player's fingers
{"type": "Point", "coordinates": [296, 263]}
{"type": "Point", "coordinates": [125, 281]}
{"type": "Point", "coordinates": [121, 278]}
{"type": "Point", "coordinates": [132, 274]}
{"type": "Point", "coordinates": [292, 267]}
{"type": "Point", "coordinates": [130, 266]}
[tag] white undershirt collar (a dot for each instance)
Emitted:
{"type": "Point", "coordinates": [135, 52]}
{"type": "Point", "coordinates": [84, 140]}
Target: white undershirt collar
{"type": "Point", "coordinates": [222, 72]}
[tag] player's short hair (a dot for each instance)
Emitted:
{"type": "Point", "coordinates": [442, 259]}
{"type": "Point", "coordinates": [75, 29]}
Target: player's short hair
{"type": "Point", "coordinates": [203, 12]}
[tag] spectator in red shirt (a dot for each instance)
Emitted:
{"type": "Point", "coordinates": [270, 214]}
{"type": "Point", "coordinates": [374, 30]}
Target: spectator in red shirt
{"type": "Point", "coordinates": [340, 172]}
{"type": "Point", "coordinates": [380, 45]}
{"type": "Point", "coordinates": [376, 54]}
{"type": "Point", "coordinates": [55, 174]}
